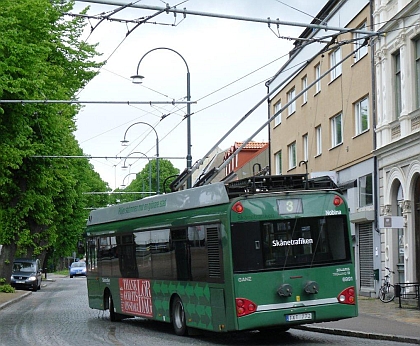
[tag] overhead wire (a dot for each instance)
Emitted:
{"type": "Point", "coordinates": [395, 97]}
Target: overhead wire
{"type": "Point", "coordinates": [217, 89]}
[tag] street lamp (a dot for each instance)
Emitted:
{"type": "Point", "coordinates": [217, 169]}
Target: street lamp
{"type": "Point", "coordinates": [150, 166]}
{"type": "Point", "coordinates": [125, 143]}
{"type": "Point", "coordinates": [137, 79]}
{"type": "Point", "coordinates": [124, 185]}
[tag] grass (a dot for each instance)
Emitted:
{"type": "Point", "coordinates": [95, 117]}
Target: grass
{"type": "Point", "coordinates": [62, 272]}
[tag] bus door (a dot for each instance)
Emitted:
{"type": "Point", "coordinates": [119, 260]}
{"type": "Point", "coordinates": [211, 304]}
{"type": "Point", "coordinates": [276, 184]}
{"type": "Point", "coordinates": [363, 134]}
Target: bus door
{"type": "Point", "coordinates": [246, 245]}
{"type": "Point", "coordinates": [95, 296]}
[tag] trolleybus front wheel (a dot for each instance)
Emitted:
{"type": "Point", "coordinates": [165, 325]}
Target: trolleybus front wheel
{"type": "Point", "coordinates": [113, 316]}
{"type": "Point", "coordinates": [178, 317]}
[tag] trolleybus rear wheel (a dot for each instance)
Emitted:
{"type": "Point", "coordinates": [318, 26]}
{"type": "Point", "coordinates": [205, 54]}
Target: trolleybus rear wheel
{"type": "Point", "coordinates": [178, 317]}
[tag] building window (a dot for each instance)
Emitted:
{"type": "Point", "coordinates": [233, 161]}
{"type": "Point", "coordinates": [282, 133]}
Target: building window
{"type": "Point", "coordinates": [305, 144]}
{"type": "Point", "coordinates": [290, 98]}
{"type": "Point", "coordinates": [361, 50]}
{"type": "Point", "coordinates": [278, 162]}
{"type": "Point", "coordinates": [292, 155]}
{"type": "Point", "coordinates": [417, 43]}
{"type": "Point", "coordinates": [336, 130]}
{"type": "Point", "coordinates": [304, 86]}
{"type": "Point", "coordinates": [318, 78]}
{"type": "Point", "coordinates": [335, 58]}
{"type": "Point", "coordinates": [361, 109]}
{"type": "Point", "coordinates": [365, 190]}
{"type": "Point", "coordinates": [318, 140]}
{"type": "Point", "coordinates": [397, 64]}
{"type": "Point", "coordinates": [277, 119]}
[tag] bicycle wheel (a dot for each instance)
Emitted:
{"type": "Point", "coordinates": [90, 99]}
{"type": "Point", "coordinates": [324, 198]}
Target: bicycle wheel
{"type": "Point", "coordinates": [386, 293]}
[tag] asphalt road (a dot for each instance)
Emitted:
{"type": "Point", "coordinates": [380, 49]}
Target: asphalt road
{"type": "Point", "coordinates": [58, 314]}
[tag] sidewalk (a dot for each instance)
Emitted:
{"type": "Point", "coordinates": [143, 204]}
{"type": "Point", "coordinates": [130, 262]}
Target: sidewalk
{"type": "Point", "coordinates": [9, 298]}
{"type": "Point", "coordinates": [376, 320]}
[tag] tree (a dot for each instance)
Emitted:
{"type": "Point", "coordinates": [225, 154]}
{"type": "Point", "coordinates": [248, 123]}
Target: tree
{"type": "Point", "coordinates": [41, 57]}
{"type": "Point", "coordinates": [141, 183]}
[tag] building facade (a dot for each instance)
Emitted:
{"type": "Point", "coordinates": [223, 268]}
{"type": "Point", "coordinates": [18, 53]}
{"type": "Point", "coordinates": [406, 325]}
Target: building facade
{"type": "Point", "coordinates": [251, 160]}
{"type": "Point", "coordinates": [397, 71]}
{"type": "Point", "coordinates": [323, 122]}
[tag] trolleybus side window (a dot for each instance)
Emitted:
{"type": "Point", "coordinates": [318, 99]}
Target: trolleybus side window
{"type": "Point", "coordinates": [104, 256]}
{"type": "Point", "coordinates": [143, 254]}
{"type": "Point", "coordinates": [92, 265]}
{"type": "Point", "coordinates": [197, 245]}
{"type": "Point", "coordinates": [127, 253]}
{"type": "Point", "coordinates": [162, 255]}
{"type": "Point", "coordinates": [191, 253]}
{"type": "Point", "coordinates": [182, 254]}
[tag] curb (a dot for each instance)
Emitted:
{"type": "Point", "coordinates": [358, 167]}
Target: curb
{"type": "Point", "coordinates": [2, 306]}
{"type": "Point", "coordinates": [362, 335]}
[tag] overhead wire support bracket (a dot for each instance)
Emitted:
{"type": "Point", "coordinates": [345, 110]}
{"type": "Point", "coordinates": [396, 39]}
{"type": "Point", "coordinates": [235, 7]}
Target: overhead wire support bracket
{"type": "Point", "coordinates": [226, 16]}
{"type": "Point", "coordinates": [173, 102]}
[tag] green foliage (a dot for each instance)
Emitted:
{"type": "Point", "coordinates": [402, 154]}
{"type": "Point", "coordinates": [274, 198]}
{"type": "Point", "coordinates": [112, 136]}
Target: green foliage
{"type": "Point", "coordinates": [6, 288]}
{"type": "Point", "coordinates": [42, 56]}
{"type": "Point", "coordinates": [142, 181]}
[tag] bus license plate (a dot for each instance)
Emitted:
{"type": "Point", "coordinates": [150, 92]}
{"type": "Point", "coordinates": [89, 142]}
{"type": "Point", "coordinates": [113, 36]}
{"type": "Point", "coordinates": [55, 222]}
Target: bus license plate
{"type": "Point", "coordinates": [299, 317]}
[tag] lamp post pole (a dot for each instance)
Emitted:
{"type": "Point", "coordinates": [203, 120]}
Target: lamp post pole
{"type": "Point", "coordinates": [137, 79]}
{"type": "Point", "coordinates": [150, 167]}
{"type": "Point", "coordinates": [125, 141]}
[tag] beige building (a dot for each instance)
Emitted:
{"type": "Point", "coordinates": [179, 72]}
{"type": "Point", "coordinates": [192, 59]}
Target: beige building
{"type": "Point", "coordinates": [329, 128]}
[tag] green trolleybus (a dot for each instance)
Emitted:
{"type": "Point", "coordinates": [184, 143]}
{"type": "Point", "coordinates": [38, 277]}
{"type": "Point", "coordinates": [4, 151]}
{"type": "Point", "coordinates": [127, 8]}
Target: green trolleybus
{"type": "Point", "coordinates": [268, 252]}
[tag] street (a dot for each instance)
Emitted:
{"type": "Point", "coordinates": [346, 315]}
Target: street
{"type": "Point", "coordinates": [58, 314]}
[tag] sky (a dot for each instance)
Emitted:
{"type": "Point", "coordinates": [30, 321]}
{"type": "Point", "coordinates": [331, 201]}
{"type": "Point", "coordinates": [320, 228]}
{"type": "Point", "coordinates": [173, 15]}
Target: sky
{"type": "Point", "coordinates": [229, 62]}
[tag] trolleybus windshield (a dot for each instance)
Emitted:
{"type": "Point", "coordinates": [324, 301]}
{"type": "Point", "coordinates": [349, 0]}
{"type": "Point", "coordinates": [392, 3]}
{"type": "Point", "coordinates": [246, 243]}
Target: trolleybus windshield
{"type": "Point", "coordinates": [290, 243]}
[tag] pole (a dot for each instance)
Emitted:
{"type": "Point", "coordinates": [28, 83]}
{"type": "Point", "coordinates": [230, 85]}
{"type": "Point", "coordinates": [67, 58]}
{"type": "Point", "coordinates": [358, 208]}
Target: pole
{"type": "Point", "coordinates": [137, 79]}
{"type": "Point", "coordinates": [189, 157]}
{"type": "Point", "coordinates": [124, 141]}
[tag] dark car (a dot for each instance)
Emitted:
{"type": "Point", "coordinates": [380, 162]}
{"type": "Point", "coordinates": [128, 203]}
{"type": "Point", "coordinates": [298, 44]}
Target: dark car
{"type": "Point", "coordinates": [26, 274]}
{"type": "Point", "coordinates": [77, 269]}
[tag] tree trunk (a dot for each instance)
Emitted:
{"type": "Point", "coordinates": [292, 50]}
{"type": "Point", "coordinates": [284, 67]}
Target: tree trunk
{"type": "Point", "coordinates": [7, 256]}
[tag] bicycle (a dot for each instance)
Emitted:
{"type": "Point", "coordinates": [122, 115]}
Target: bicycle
{"type": "Point", "coordinates": [386, 291]}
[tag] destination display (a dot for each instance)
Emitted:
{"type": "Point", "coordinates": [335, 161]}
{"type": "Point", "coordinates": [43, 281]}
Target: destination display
{"type": "Point", "coordinates": [290, 206]}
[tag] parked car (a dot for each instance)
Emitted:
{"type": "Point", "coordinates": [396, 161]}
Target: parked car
{"type": "Point", "coordinates": [26, 274]}
{"type": "Point", "coordinates": [77, 269]}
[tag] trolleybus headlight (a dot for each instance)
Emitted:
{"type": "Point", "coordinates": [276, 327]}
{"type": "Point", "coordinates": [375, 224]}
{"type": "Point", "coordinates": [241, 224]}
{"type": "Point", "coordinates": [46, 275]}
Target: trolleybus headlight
{"type": "Point", "coordinates": [238, 207]}
{"type": "Point", "coordinates": [244, 307]}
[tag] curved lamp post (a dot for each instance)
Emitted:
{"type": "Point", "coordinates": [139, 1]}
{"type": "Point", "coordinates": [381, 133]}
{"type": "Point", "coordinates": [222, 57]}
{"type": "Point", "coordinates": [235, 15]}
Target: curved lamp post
{"type": "Point", "coordinates": [125, 142]}
{"type": "Point", "coordinates": [137, 79]}
{"type": "Point", "coordinates": [150, 167]}
{"type": "Point", "coordinates": [123, 185]}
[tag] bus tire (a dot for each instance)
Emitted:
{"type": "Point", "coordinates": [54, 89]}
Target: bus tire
{"type": "Point", "coordinates": [178, 317]}
{"type": "Point", "coordinates": [113, 316]}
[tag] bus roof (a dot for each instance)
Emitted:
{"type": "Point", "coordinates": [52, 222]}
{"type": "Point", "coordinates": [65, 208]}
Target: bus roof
{"type": "Point", "coordinates": [197, 197]}
{"type": "Point", "coordinates": [208, 195]}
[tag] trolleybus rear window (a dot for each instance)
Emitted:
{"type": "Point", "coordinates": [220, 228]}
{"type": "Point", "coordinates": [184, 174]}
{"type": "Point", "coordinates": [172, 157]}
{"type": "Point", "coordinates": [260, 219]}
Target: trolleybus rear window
{"type": "Point", "coordinates": [289, 243]}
